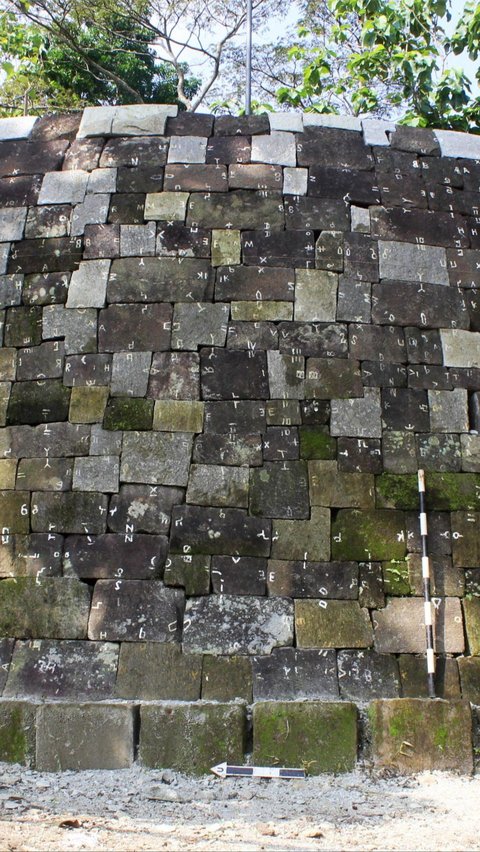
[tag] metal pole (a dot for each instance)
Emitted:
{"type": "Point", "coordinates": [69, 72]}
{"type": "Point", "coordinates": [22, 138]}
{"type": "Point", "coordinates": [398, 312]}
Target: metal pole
{"type": "Point", "coordinates": [426, 587]}
{"type": "Point", "coordinates": [248, 85]}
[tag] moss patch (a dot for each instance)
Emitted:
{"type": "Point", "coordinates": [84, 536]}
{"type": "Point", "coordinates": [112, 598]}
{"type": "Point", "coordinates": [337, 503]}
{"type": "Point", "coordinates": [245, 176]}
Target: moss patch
{"type": "Point", "coordinates": [316, 443]}
{"type": "Point", "coordinates": [129, 414]}
{"type": "Point", "coordinates": [17, 732]}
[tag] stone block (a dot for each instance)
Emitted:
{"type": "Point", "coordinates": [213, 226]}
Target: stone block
{"type": "Point", "coordinates": [431, 307]}
{"type": "Point", "coordinates": [128, 414]}
{"type": "Point", "coordinates": [131, 120]}
{"type": "Point", "coordinates": [238, 575]}
{"type": "Point", "coordinates": [280, 443]}
{"type": "Point", "coordinates": [286, 375]}
{"type": "Point", "coordinates": [226, 247]}
{"type": "Point", "coordinates": [166, 206]}
{"type": "Point", "coordinates": [217, 485]}
{"type": "Point", "coordinates": [6, 650]}
{"type": "Point", "coordinates": [470, 449]}
{"type": "Point", "coordinates": [12, 223]}
{"type": "Point", "coordinates": [160, 458]}
{"type": "Point", "coordinates": [310, 539]}
{"type": "Point", "coordinates": [262, 177]}
{"type": "Point", "coordinates": [134, 327]}
{"type": "Point", "coordinates": [471, 610]}
{"type": "Point", "coordinates": [103, 443]}
{"type": "Point", "coordinates": [423, 346]}
{"type": "Point", "coordinates": [399, 452]}
{"type": "Point", "coordinates": [405, 409]}
{"type": "Point", "coordinates": [67, 187]}
{"type": "Point", "coordinates": [93, 211]}
{"type": "Point", "coordinates": [365, 535]}
{"type": "Point", "coordinates": [196, 529]}
{"type": "Point", "coordinates": [185, 178]}
{"type": "Point", "coordinates": [359, 455]}
{"type": "Point", "coordinates": [187, 149]}
{"type": "Point", "coordinates": [360, 220]}
{"type": "Point", "coordinates": [319, 735]}
{"type": "Point", "coordinates": [15, 511]}
{"type": "Point", "coordinates": [84, 736]}
{"type": "Point", "coordinates": [192, 737]}
{"type": "Point", "coordinates": [332, 624]}
{"type": "Point", "coordinates": [232, 448]}
{"type": "Point", "coordinates": [413, 674]}
{"type": "Point", "coordinates": [364, 675]}
{"type": "Point", "coordinates": [53, 608]}
{"type": "Point", "coordinates": [79, 512]}
{"type": "Point", "coordinates": [142, 508]}
{"type": "Point", "coordinates": [88, 285]}
{"type": "Point", "coordinates": [329, 251]}
{"type": "Point", "coordinates": [333, 147]}
{"type": "Point", "coordinates": [87, 404]}
{"type": "Point", "coordinates": [445, 491]}
{"type": "Point", "coordinates": [130, 373]}
{"type": "Point", "coordinates": [278, 248]}
{"type": "Point", "coordinates": [191, 573]}
{"type": "Point", "coordinates": [278, 148]}
{"type": "Point", "coordinates": [17, 732]}
{"type": "Point", "coordinates": [233, 374]}
{"type": "Point", "coordinates": [288, 674]}
{"type": "Point", "coordinates": [38, 402]}
{"type": "Point", "coordinates": [96, 473]}
{"type": "Point", "coordinates": [360, 418]}
{"type": "Point", "coordinates": [321, 214]}
{"type": "Point", "coordinates": [199, 325]}
{"type": "Point", "coordinates": [178, 416]}
{"type": "Point", "coordinates": [253, 334]}
{"type": "Point", "coordinates": [465, 539]}
{"type": "Point", "coordinates": [174, 376]}
{"type": "Point", "coordinates": [10, 290]}
{"type": "Point", "coordinates": [227, 679]}
{"type": "Point", "coordinates": [229, 150]}
{"type": "Point", "coordinates": [19, 127]}
{"type": "Point", "coordinates": [238, 209]}
{"type": "Point", "coordinates": [439, 452]}
{"type": "Point", "coordinates": [131, 556]}
{"type": "Point", "coordinates": [22, 157]}
{"type": "Point", "coordinates": [46, 221]}
{"type": "Point", "coordinates": [400, 627]}
{"type": "Point", "coordinates": [101, 241]}
{"type": "Point", "coordinates": [460, 348]}
{"type": "Point", "coordinates": [255, 312]}
{"type": "Point", "coordinates": [62, 669]}
{"type": "Point", "coordinates": [55, 439]}
{"type": "Point", "coordinates": [280, 490]}
{"type": "Point", "coordinates": [41, 362]}
{"type": "Point", "coordinates": [153, 671]}
{"type": "Point", "coordinates": [23, 326]}
{"type": "Point", "coordinates": [137, 240]}
{"type": "Point", "coordinates": [315, 295]}
{"type": "Point", "coordinates": [47, 474]}
{"type": "Point", "coordinates": [367, 342]}
{"type": "Point", "coordinates": [8, 471]}
{"type": "Point", "coordinates": [226, 624]}
{"type": "Point", "coordinates": [455, 144]}
{"type": "Point", "coordinates": [445, 580]}
{"type": "Point", "coordinates": [316, 443]}
{"type": "Point", "coordinates": [234, 125]}
{"type": "Point", "coordinates": [429, 227]}
{"type": "Point", "coordinates": [469, 669]}
{"type": "Point", "coordinates": [330, 487]}
{"type": "Point", "coordinates": [248, 283]}
{"type": "Point", "coordinates": [133, 610]}
{"type": "Point", "coordinates": [150, 279]}
{"type": "Point", "coordinates": [403, 261]}
{"type": "Point", "coordinates": [295, 181]}
{"type": "Point", "coordinates": [178, 240]}
{"type": "Point", "coordinates": [77, 325]}
{"type": "Point", "coordinates": [296, 579]}
{"type": "Point", "coordinates": [414, 735]}
{"type": "Point", "coordinates": [448, 410]}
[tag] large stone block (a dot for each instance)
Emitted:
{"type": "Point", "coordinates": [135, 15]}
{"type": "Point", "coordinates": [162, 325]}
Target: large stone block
{"type": "Point", "coordinates": [400, 627]}
{"type": "Point", "coordinates": [286, 375]}
{"type": "Point", "coordinates": [95, 473]}
{"type": "Point", "coordinates": [233, 448]}
{"type": "Point", "coordinates": [78, 326]}
{"type": "Point", "coordinates": [414, 735]}
{"type": "Point", "coordinates": [227, 678]}
{"type": "Point", "coordinates": [426, 305]}
{"type": "Point", "coordinates": [62, 669]}
{"type": "Point", "coordinates": [332, 624]}
{"type": "Point", "coordinates": [38, 402]}
{"type": "Point", "coordinates": [196, 529]}
{"type": "Point", "coordinates": [329, 378]}
{"type": "Point", "coordinates": [58, 440]}
{"type": "Point", "coordinates": [36, 555]}
{"type": "Point", "coordinates": [193, 737]}
{"type": "Point", "coordinates": [460, 348]}
{"type": "Point", "coordinates": [319, 735]}
{"type": "Point", "coordinates": [133, 610]}
{"type": "Point", "coordinates": [238, 209]}
{"type": "Point", "coordinates": [127, 414]}
{"type": "Point", "coordinates": [469, 669]}
{"type": "Point", "coordinates": [297, 579]}
{"type": "Point", "coordinates": [226, 624]}
{"type": "Point", "coordinates": [413, 675]}
{"type": "Point", "coordinates": [199, 325]}
{"type": "Point", "coordinates": [79, 512]}
{"type": "Point", "coordinates": [131, 120]}
{"type": "Point", "coordinates": [319, 214]}
{"type": "Point", "coordinates": [218, 485]}
{"type": "Point", "coordinates": [359, 418]}
{"type": "Point", "coordinates": [41, 362]}
{"type": "Point", "coordinates": [333, 147]}
{"type": "Point", "coordinates": [84, 736]}
{"type": "Point", "coordinates": [280, 490]}
{"type": "Point", "coordinates": [277, 248]}
{"type": "Point", "coordinates": [134, 327]}
{"type": "Point", "coordinates": [153, 671]}
{"type": "Point", "coordinates": [67, 187]}
{"type": "Point", "coordinates": [88, 285]}
{"type": "Point", "coordinates": [142, 508]}
{"type": "Point", "coordinates": [309, 539]}
{"type": "Point", "coordinates": [166, 279]}
{"type": "Point", "coordinates": [404, 261]}
{"type": "Point", "coordinates": [191, 573]}
{"type": "Point", "coordinates": [277, 148]}
{"type": "Point", "coordinates": [363, 675]}
{"type": "Point", "coordinates": [465, 539]}
{"type": "Point", "coordinates": [46, 474]}
{"type": "Point", "coordinates": [17, 732]}
{"type": "Point", "coordinates": [365, 535]}
{"type": "Point", "coordinates": [131, 556]}
{"type": "Point", "coordinates": [53, 608]}
{"type": "Point", "coordinates": [160, 458]}
{"type": "Point", "coordinates": [174, 376]}
{"type": "Point", "coordinates": [15, 512]}
{"type": "Point", "coordinates": [185, 178]}
{"type": "Point", "coordinates": [288, 675]}
{"type": "Point", "coordinates": [330, 487]}
{"type": "Point", "coordinates": [178, 415]}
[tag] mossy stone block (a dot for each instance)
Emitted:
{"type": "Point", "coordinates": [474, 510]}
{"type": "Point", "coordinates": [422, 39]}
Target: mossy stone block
{"type": "Point", "coordinates": [157, 671]}
{"type": "Point", "coordinates": [396, 577]}
{"type": "Point", "coordinates": [87, 405]}
{"type": "Point", "coordinates": [331, 487]}
{"type": "Point", "coordinates": [415, 734]}
{"type": "Point", "coordinates": [191, 573]}
{"type": "Point", "coordinates": [129, 414]}
{"type": "Point", "coordinates": [17, 732]}
{"type": "Point", "coordinates": [317, 443]}
{"type": "Point", "coordinates": [469, 669]}
{"type": "Point", "coordinates": [178, 415]}
{"type": "Point", "coordinates": [55, 608]}
{"type": "Point", "coordinates": [366, 535]}
{"type": "Point", "coordinates": [85, 736]}
{"type": "Point", "coordinates": [471, 610]}
{"type": "Point", "coordinates": [320, 736]}
{"type": "Point", "coordinates": [191, 738]}
{"type": "Point", "coordinates": [38, 402]}
{"type": "Point", "coordinates": [332, 624]}
{"type": "Point", "coordinates": [445, 491]}
{"type": "Point", "coordinates": [227, 678]}
{"type": "Point", "coordinates": [226, 247]}
{"type": "Point", "coordinates": [396, 491]}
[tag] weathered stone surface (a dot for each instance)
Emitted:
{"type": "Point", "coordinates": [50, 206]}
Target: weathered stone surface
{"type": "Point", "coordinates": [227, 678]}
{"type": "Point", "coordinates": [419, 304]}
{"type": "Point", "coordinates": [10, 290]}
{"type": "Point", "coordinates": [405, 409]}
{"type": "Point", "coordinates": [238, 416]}
{"type": "Point", "coordinates": [329, 251]}
{"type": "Point", "coordinates": [154, 671]}
{"type": "Point", "coordinates": [357, 186]}
{"type": "Point", "coordinates": [357, 417]}
{"type": "Point", "coordinates": [55, 439]}
{"type": "Point", "coordinates": [142, 508]}
{"type": "Point", "coordinates": [54, 608]}
{"type": "Point", "coordinates": [277, 148]}
{"type": "Point", "coordinates": [330, 487]}
{"type": "Point", "coordinates": [281, 443]}
{"type": "Point", "coordinates": [288, 674]}
{"type": "Point", "coordinates": [23, 326]}
{"type": "Point", "coordinates": [260, 177]}
{"type": "Point", "coordinates": [77, 326]}
{"type": "Point", "coordinates": [226, 247]}
{"type": "Point", "coordinates": [236, 209]}
{"type": "Point", "coordinates": [233, 374]}
{"type": "Point", "coordinates": [230, 449]}
{"type": "Point", "coordinates": [166, 206]}
{"type": "Point", "coordinates": [129, 557]}
{"type": "Point", "coordinates": [161, 279]}
{"type": "Point", "coordinates": [230, 150]}
{"type": "Point", "coordinates": [360, 220]}
{"type": "Point", "coordinates": [258, 311]}
{"type": "Point", "coordinates": [449, 410]}
{"type": "Point", "coordinates": [249, 283]}
{"type": "Point", "coordinates": [187, 178]}
{"type": "Point", "coordinates": [87, 404]}
{"type": "Point", "coordinates": [320, 340]}
{"type": "Point", "coordinates": [85, 736]}
{"type": "Point", "coordinates": [128, 414]}
{"type": "Point", "coordinates": [239, 575]}
{"type": "Point", "coordinates": [368, 342]}
{"type": "Point", "coordinates": [62, 669]}
{"type": "Point", "coordinates": [332, 147]}
{"type": "Point", "coordinates": [278, 248]}
{"type": "Point", "coordinates": [17, 732]}
{"type": "Point", "coordinates": [412, 262]}
{"type": "Point", "coordinates": [295, 181]}
{"type": "Point", "coordinates": [191, 573]}
{"type": "Point", "coordinates": [8, 471]}
{"type": "Point", "coordinates": [134, 327]}
{"type": "Point", "coordinates": [298, 539]}
{"type": "Point", "coordinates": [47, 222]}
{"type": "Point", "coordinates": [313, 579]}
{"type": "Point", "coordinates": [471, 609]}
{"type": "Point", "coordinates": [315, 295]}
{"type": "Point", "coordinates": [15, 511]}
{"type": "Point", "coordinates": [414, 735]}
{"type": "Point", "coordinates": [96, 473]}
{"type": "Point", "coordinates": [223, 531]}
{"type": "Point", "coordinates": [130, 373]}
{"type": "Point", "coordinates": [359, 455]}
{"type": "Point", "coordinates": [38, 402]}
{"type": "Point", "coordinates": [104, 443]}
{"type": "Point", "coordinates": [368, 535]}
{"type": "Point", "coordinates": [363, 675]}
{"type": "Point", "coordinates": [178, 415]}
{"type": "Point", "coordinates": [238, 125]}
{"type": "Point", "coordinates": [445, 580]}
{"type": "Point", "coordinates": [174, 375]}
{"type": "Point", "coordinates": [321, 214]}
{"type": "Point", "coordinates": [460, 348]}
{"type": "Point", "coordinates": [332, 624]}
{"type": "Point", "coordinates": [157, 458]}
{"type": "Point", "coordinates": [446, 491]}
{"type": "Point", "coordinates": [192, 738]}
{"type": "Point", "coordinates": [413, 674]}
{"type": "Point", "coordinates": [286, 374]}
{"type": "Point", "coordinates": [439, 452]}
{"type": "Point", "coordinates": [319, 734]}
{"type": "Point", "coordinates": [66, 512]}
{"type": "Point", "coordinates": [400, 627]}
{"type": "Point", "coordinates": [132, 610]}
{"type": "Point", "coordinates": [6, 650]}
{"type": "Point", "coordinates": [255, 334]}
{"type": "Point", "coordinates": [199, 325]}
{"type": "Point", "coordinates": [469, 669]}
{"type": "Point", "coordinates": [187, 149]}
{"type": "Point", "coordinates": [226, 624]}
{"type": "Point", "coordinates": [217, 485]}
{"type": "Point", "coordinates": [40, 362]}
{"type": "Point", "coordinates": [47, 474]}
{"type": "Point", "coordinates": [280, 490]}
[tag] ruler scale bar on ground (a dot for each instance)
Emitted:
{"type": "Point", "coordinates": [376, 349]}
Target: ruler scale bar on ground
{"type": "Point", "coordinates": [426, 586]}
{"type": "Point", "coordinates": [224, 769]}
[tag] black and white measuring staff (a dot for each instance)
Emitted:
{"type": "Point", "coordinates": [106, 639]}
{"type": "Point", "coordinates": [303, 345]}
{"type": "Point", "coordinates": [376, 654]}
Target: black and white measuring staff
{"type": "Point", "coordinates": [426, 587]}
{"type": "Point", "coordinates": [224, 770]}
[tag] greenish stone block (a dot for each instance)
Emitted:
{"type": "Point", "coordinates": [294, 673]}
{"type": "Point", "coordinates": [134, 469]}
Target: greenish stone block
{"type": "Point", "coordinates": [15, 512]}
{"type": "Point", "coordinates": [317, 443]}
{"type": "Point", "coordinates": [469, 669]}
{"type": "Point", "coordinates": [332, 624]}
{"type": "Point", "coordinates": [266, 311]}
{"type": "Point", "coordinates": [227, 678]}
{"type": "Point", "coordinates": [471, 611]}
{"type": "Point", "coordinates": [226, 248]}
{"type": "Point", "coordinates": [17, 732]}
{"type": "Point", "coordinates": [190, 572]}
{"type": "Point", "coordinates": [55, 608]}
{"type": "Point", "coordinates": [172, 415]}
{"type": "Point", "coordinates": [331, 487]}
{"type": "Point", "coordinates": [156, 671]}
{"type": "Point", "coordinates": [444, 491]}
{"type": "Point", "coordinates": [413, 675]}
{"type": "Point", "coordinates": [364, 535]}
{"type": "Point", "coordinates": [85, 736]}
{"type": "Point", "coordinates": [166, 206]}
{"type": "Point", "coordinates": [308, 539]}
{"type": "Point", "coordinates": [129, 414]}
{"type": "Point", "coordinates": [396, 491]}
{"type": "Point", "coordinates": [38, 402]}
{"type": "Point", "coordinates": [319, 736]}
{"type": "Point", "coordinates": [415, 734]}
{"type": "Point", "coordinates": [87, 405]}
{"type": "Point", "coordinates": [191, 738]}
{"type": "Point", "coordinates": [396, 577]}
{"type": "Point", "coordinates": [5, 389]}
{"type": "Point", "coordinates": [8, 469]}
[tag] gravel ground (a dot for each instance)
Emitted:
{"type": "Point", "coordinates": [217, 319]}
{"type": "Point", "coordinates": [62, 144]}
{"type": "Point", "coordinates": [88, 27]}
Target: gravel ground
{"type": "Point", "coordinates": [139, 809]}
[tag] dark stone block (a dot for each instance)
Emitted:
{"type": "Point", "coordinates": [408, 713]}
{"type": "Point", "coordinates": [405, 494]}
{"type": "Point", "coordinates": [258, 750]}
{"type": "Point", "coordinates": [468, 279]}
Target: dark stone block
{"type": "Point", "coordinates": [463, 266]}
{"type": "Point", "coordinates": [278, 248]}
{"type": "Point", "coordinates": [416, 140]}
{"type": "Point", "coordinates": [21, 191]}
{"type": "Point", "coordinates": [134, 327]}
{"type": "Point", "coordinates": [142, 508]}
{"type": "Point", "coordinates": [233, 149]}
{"type": "Point", "coordinates": [241, 125]}
{"type": "Point", "coordinates": [403, 190]}
{"type": "Point", "coordinates": [364, 675]}
{"type": "Point", "coordinates": [47, 255]}
{"type": "Point", "coordinates": [140, 179]}
{"type": "Point", "coordinates": [84, 154]}
{"type": "Point", "coordinates": [101, 241]}
{"type": "Point", "coordinates": [472, 228]}
{"type": "Point", "coordinates": [133, 610]}
{"type": "Point", "coordinates": [46, 474]}
{"type": "Point", "coordinates": [436, 378]}
{"type": "Point", "coordinates": [333, 580]}
{"type": "Point", "coordinates": [354, 301]}
{"type": "Point", "coordinates": [439, 452]}
{"type": "Point", "coordinates": [439, 533]}
{"type": "Point", "coordinates": [250, 284]}
{"type": "Point", "coordinates": [127, 208]}
{"type": "Point", "coordinates": [255, 176]}
{"type": "Point", "coordinates": [153, 671]}
{"type": "Point", "coordinates": [48, 221]}
{"type": "Point", "coordinates": [379, 374]}
{"type": "Point", "coordinates": [423, 346]}
{"type": "Point", "coordinates": [56, 439]}
{"type": "Point", "coordinates": [46, 289]}
{"type": "Point", "coordinates": [326, 146]}
{"type": "Point", "coordinates": [332, 379]}
{"type": "Point", "coordinates": [107, 557]}
{"type": "Point", "coordinates": [252, 335]}
{"type": "Point", "coordinates": [283, 412]}
{"type": "Point", "coordinates": [280, 490]}
{"type": "Point", "coordinates": [78, 512]}
{"type": "Point", "coordinates": [413, 673]}
{"type": "Point", "coordinates": [141, 151]}
{"type": "Point", "coordinates": [354, 186]}
{"type": "Point", "coordinates": [191, 573]}
{"type": "Point", "coordinates": [425, 305]}
{"type": "Point", "coordinates": [329, 251]}
{"type": "Point", "coordinates": [405, 409]}
{"type": "Point", "coordinates": [316, 443]}
{"type": "Point", "coordinates": [368, 343]}
{"type": "Point", "coordinates": [316, 339]}
{"type": "Point", "coordinates": [472, 582]}
{"type": "Point", "coordinates": [359, 455]}
{"type": "Point", "coordinates": [446, 199]}
{"type": "Point", "coordinates": [219, 531]}
{"type": "Point", "coordinates": [361, 258]}
{"type": "Point", "coordinates": [289, 674]}
{"type": "Point", "coordinates": [38, 402]}
{"type": "Point", "coordinates": [63, 669]}
{"type": "Point", "coordinates": [174, 375]}
{"type": "Point", "coordinates": [88, 370]}
{"type": "Point", "coordinates": [37, 555]}
{"type": "Point", "coordinates": [431, 228]}
{"type": "Point", "coordinates": [177, 240]}
{"type": "Point", "coordinates": [233, 374]}
{"type": "Point", "coordinates": [238, 416]}
{"type": "Point", "coordinates": [41, 362]}
{"type": "Point", "coordinates": [238, 575]}
{"type": "Point", "coordinates": [370, 585]}
{"type": "Point", "coordinates": [23, 326]}
{"type": "Point", "coordinates": [55, 127]}
{"type": "Point", "coordinates": [308, 213]}
{"type": "Point", "coordinates": [231, 449]}
{"type": "Point", "coordinates": [443, 172]}
{"type": "Point", "coordinates": [281, 443]}
{"type": "Point", "coordinates": [315, 412]}
{"type": "Point", "coordinates": [128, 414]}
{"type": "Point", "coordinates": [190, 124]}
{"type": "Point", "coordinates": [164, 279]}
{"type": "Point", "coordinates": [195, 177]}
{"type": "Point", "coordinates": [236, 209]}
{"type": "Point", "coordinates": [20, 157]}
{"type": "Point", "coordinates": [465, 378]}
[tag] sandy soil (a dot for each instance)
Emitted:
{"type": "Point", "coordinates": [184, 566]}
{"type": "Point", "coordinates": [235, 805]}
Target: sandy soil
{"type": "Point", "coordinates": [141, 809]}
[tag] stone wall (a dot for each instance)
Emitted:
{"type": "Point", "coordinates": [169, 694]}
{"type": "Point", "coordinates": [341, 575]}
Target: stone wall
{"type": "Point", "coordinates": [228, 344]}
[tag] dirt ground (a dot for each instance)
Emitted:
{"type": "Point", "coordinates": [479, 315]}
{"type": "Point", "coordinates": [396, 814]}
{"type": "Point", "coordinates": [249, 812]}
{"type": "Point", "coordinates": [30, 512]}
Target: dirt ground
{"type": "Point", "coordinates": [140, 809]}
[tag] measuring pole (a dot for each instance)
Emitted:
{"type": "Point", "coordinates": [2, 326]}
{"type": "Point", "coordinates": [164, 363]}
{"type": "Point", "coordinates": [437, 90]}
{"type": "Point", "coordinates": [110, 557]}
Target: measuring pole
{"type": "Point", "coordinates": [248, 84]}
{"type": "Point", "coordinates": [224, 770]}
{"type": "Point", "coordinates": [426, 587]}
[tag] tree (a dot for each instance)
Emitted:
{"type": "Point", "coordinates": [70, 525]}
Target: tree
{"type": "Point", "coordinates": [170, 28]}
{"type": "Point", "coordinates": [387, 57]}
